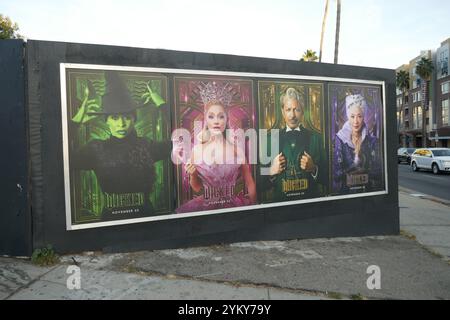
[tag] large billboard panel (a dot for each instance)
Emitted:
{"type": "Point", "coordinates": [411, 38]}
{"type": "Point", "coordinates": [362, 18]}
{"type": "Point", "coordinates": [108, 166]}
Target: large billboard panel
{"type": "Point", "coordinates": [146, 144]}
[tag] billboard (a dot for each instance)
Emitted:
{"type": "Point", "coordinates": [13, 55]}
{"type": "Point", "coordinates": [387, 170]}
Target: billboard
{"type": "Point", "coordinates": [147, 144]}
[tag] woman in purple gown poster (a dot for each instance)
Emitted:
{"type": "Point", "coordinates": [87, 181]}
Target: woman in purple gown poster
{"type": "Point", "coordinates": [356, 139]}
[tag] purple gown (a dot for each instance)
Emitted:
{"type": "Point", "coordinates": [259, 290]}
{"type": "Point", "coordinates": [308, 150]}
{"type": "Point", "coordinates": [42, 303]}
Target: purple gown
{"type": "Point", "coordinates": [345, 162]}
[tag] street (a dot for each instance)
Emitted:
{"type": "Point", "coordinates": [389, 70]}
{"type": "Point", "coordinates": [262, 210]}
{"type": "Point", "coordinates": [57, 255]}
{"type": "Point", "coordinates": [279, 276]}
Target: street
{"type": "Point", "coordinates": [424, 181]}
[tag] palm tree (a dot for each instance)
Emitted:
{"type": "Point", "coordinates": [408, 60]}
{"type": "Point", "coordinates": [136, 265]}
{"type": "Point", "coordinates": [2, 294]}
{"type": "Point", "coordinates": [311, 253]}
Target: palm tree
{"type": "Point", "coordinates": [323, 30]}
{"type": "Point", "coordinates": [424, 70]}
{"type": "Point", "coordinates": [338, 26]}
{"type": "Point", "coordinates": [309, 56]}
{"type": "Point", "coordinates": [402, 83]}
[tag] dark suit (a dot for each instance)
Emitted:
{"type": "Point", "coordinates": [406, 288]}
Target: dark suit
{"type": "Point", "coordinates": [294, 183]}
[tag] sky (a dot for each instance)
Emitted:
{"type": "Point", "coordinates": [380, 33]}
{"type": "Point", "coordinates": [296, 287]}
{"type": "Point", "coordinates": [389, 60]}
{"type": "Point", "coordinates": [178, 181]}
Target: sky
{"type": "Point", "coordinates": [374, 33]}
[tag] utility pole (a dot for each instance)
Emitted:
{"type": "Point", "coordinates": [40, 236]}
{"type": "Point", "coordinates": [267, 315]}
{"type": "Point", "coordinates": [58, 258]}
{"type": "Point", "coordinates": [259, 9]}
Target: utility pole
{"type": "Point", "coordinates": [338, 25]}
{"type": "Point", "coordinates": [323, 30]}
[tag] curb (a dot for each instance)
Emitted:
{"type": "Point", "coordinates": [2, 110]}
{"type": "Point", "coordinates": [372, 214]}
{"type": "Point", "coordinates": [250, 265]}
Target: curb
{"type": "Point", "coordinates": [424, 196]}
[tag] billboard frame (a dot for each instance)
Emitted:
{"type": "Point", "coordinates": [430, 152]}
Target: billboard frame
{"type": "Point", "coordinates": [171, 71]}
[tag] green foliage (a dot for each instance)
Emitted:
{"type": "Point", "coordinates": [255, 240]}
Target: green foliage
{"type": "Point", "coordinates": [8, 29]}
{"type": "Point", "coordinates": [425, 69]}
{"type": "Point", "coordinates": [402, 80]}
{"type": "Point", "coordinates": [357, 297]}
{"type": "Point", "coordinates": [335, 295]}
{"type": "Point", "coordinates": [309, 56]}
{"type": "Point", "coordinates": [407, 235]}
{"type": "Point", "coordinates": [45, 256]}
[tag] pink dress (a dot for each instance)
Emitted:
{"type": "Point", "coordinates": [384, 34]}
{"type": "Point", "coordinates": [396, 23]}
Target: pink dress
{"type": "Point", "coordinates": [219, 189]}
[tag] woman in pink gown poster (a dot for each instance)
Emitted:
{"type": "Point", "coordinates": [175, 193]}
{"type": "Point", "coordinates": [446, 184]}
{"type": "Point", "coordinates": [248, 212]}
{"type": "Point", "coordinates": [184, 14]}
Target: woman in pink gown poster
{"type": "Point", "coordinates": [216, 172]}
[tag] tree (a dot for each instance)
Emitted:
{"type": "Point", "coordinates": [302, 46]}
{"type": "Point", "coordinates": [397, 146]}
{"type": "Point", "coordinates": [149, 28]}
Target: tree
{"type": "Point", "coordinates": [402, 83]}
{"type": "Point", "coordinates": [338, 27]}
{"type": "Point", "coordinates": [309, 56]}
{"type": "Point", "coordinates": [8, 29]}
{"type": "Point", "coordinates": [424, 70]}
{"type": "Point", "coordinates": [323, 30]}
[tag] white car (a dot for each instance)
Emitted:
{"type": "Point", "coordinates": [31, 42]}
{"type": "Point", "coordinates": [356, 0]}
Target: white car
{"type": "Point", "coordinates": [434, 159]}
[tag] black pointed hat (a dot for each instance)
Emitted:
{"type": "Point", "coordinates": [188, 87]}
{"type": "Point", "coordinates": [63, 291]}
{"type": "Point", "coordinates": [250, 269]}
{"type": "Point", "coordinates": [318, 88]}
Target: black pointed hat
{"type": "Point", "coordinates": [117, 98]}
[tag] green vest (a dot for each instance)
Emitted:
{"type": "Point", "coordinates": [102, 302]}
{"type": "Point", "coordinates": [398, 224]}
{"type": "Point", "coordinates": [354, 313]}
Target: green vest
{"type": "Point", "coordinates": [294, 183]}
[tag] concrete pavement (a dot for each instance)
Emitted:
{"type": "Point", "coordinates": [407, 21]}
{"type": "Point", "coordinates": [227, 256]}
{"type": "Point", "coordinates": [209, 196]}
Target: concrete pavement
{"type": "Point", "coordinates": [428, 219]}
{"type": "Point", "coordinates": [297, 269]}
{"type": "Point", "coordinates": [22, 281]}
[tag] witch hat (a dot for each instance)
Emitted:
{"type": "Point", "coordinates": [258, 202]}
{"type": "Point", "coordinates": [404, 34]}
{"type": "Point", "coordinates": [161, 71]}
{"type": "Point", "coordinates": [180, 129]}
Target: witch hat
{"type": "Point", "coordinates": [117, 98]}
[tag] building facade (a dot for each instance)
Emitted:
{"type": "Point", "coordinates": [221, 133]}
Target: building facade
{"type": "Point", "coordinates": [410, 106]}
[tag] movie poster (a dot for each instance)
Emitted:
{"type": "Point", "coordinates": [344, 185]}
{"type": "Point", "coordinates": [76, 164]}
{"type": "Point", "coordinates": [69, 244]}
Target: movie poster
{"type": "Point", "coordinates": [356, 139]}
{"type": "Point", "coordinates": [294, 154]}
{"type": "Point", "coordinates": [118, 144]}
{"type": "Point", "coordinates": [215, 118]}
{"type": "Point", "coordinates": [145, 144]}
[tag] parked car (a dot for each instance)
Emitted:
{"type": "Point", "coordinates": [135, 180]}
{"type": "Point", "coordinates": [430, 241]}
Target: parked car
{"type": "Point", "coordinates": [404, 155]}
{"type": "Point", "coordinates": [435, 159]}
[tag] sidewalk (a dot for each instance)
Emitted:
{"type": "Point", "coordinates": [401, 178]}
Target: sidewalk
{"type": "Point", "coordinates": [298, 269]}
{"type": "Point", "coordinates": [428, 221]}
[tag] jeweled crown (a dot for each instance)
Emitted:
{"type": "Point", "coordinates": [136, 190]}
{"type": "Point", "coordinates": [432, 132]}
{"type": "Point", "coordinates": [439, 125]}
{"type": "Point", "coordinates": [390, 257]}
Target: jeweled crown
{"type": "Point", "coordinates": [212, 92]}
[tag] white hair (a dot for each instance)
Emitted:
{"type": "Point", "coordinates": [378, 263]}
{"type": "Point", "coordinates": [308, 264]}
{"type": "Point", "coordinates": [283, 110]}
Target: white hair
{"type": "Point", "coordinates": [356, 100]}
{"type": "Point", "coordinates": [290, 93]}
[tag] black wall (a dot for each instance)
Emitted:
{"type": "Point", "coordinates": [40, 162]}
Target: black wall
{"type": "Point", "coordinates": [365, 216]}
{"type": "Point", "coordinates": [15, 218]}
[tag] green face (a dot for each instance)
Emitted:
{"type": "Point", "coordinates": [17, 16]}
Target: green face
{"type": "Point", "coordinates": [120, 125]}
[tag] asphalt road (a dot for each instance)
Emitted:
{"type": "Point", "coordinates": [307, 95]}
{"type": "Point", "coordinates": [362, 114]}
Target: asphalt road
{"type": "Point", "coordinates": [424, 182]}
